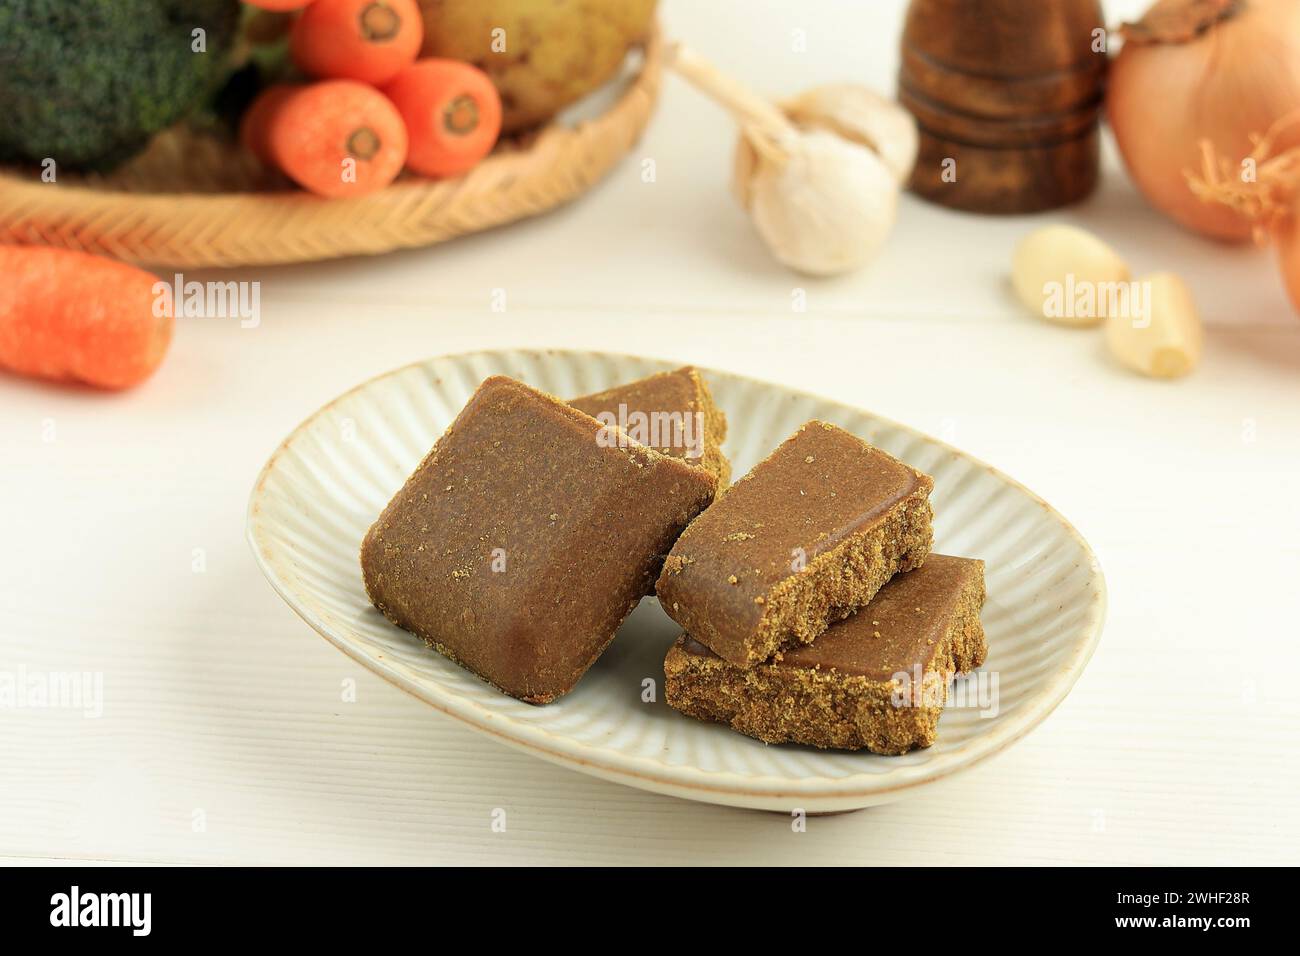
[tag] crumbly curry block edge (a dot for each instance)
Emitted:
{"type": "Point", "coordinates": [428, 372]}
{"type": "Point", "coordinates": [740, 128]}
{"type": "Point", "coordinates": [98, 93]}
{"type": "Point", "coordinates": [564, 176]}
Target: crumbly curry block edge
{"type": "Point", "coordinates": [845, 578]}
{"type": "Point", "coordinates": [819, 707]}
{"type": "Point", "coordinates": [715, 433]}
{"type": "Point", "coordinates": [836, 583]}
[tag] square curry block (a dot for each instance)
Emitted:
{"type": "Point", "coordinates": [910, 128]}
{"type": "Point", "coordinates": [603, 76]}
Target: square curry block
{"type": "Point", "coordinates": [525, 538]}
{"type": "Point", "coordinates": [804, 539]}
{"type": "Point", "coordinates": [672, 412]}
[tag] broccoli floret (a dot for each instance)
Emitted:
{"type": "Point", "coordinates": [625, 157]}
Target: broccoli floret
{"type": "Point", "coordinates": [88, 82]}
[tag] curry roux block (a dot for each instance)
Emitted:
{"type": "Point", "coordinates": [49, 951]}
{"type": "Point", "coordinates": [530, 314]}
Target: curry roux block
{"type": "Point", "coordinates": [808, 536]}
{"type": "Point", "coordinates": [672, 412]}
{"type": "Point", "coordinates": [878, 679]}
{"type": "Point", "coordinates": [521, 542]}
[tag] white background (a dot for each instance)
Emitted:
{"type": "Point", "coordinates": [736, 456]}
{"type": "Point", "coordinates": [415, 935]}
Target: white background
{"type": "Point", "coordinates": [1176, 746]}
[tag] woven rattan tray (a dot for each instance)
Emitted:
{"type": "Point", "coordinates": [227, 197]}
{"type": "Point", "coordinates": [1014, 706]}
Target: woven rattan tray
{"type": "Point", "coordinates": [192, 200]}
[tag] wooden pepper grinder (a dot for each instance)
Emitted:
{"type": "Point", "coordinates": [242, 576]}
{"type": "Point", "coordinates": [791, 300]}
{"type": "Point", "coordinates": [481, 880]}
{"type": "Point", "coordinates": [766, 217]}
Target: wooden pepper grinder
{"type": "Point", "coordinates": [1007, 95]}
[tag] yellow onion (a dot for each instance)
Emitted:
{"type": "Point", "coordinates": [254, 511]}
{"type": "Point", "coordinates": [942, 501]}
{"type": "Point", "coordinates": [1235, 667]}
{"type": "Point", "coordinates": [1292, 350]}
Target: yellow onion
{"type": "Point", "coordinates": [1194, 70]}
{"type": "Point", "coordinates": [1288, 256]}
{"type": "Point", "coordinates": [1262, 189]}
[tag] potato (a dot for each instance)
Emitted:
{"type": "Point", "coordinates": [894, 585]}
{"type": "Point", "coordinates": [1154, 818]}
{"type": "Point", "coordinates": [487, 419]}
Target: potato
{"type": "Point", "coordinates": [541, 55]}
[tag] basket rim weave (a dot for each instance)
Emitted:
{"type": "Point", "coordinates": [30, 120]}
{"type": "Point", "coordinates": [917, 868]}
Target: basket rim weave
{"type": "Point", "coordinates": [198, 230]}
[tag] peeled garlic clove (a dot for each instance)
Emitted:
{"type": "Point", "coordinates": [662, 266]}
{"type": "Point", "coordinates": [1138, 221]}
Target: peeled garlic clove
{"type": "Point", "coordinates": [1162, 336]}
{"type": "Point", "coordinates": [1068, 276]}
{"type": "Point", "coordinates": [827, 209]}
{"type": "Point", "coordinates": [861, 116]}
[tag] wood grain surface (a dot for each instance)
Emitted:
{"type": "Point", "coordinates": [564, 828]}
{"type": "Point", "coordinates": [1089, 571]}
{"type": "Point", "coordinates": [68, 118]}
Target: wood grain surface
{"type": "Point", "coordinates": [228, 733]}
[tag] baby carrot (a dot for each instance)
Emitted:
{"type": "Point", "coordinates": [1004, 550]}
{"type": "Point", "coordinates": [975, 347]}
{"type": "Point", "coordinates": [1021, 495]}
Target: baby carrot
{"type": "Point", "coordinates": [366, 40]}
{"type": "Point", "coordinates": [278, 6]}
{"type": "Point", "coordinates": [71, 316]}
{"type": "Point", "coordinates": [338, 138]}
{"type": "Point", "coordinates": [255, 127]}
{"type": "Point", "coordinates": [452, 113]}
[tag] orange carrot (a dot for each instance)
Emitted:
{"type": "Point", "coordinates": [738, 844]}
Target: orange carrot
{"type": "Point", "coordinates": [71, 316]}
{"type": "Point", "coordinates": [255, 127]}
{"type": "Point", "coordinates": [452, 113]}
{"type": "Point", "coordinates": [338, 138]}
{"type": "Point", "coordinates": [366, 40]}
{"type": "Point", "coordinates": [278, 6]}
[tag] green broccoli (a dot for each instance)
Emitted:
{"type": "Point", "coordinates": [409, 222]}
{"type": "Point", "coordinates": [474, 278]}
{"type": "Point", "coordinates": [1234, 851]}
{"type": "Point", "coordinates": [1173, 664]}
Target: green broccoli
{"type": "Point", "coordinates": [88, 82]}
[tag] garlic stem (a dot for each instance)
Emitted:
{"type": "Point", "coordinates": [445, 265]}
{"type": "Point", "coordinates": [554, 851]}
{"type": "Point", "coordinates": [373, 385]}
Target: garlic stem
{"type": "Point", "coordinates": [765, 123]}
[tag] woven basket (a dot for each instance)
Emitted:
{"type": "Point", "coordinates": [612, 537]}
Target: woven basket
{"type": "Point", "coordinates": [192, 200]}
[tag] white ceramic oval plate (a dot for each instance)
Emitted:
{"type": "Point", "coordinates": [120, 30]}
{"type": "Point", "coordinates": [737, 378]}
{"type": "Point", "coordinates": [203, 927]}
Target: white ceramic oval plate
{"type": "Point", "coordinates": [329, 480]}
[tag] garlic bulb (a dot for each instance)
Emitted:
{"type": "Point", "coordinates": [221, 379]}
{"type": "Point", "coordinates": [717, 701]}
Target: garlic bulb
{"type": "Point", "coordinates": [861, 116]}
{"type": "Point", "coordinates": [823, 198]}
{"type": "Point", "coordinates": [827, 208]}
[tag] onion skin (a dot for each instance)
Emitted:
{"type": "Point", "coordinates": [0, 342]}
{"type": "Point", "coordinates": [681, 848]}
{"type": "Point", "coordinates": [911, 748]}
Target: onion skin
{"type": "Point", "coordinates": [1237, 78]}
{"type": "Point", "coordinates": [1287, 237]}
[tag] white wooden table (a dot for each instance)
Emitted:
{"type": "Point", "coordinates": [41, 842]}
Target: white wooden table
{"type": "Point", "coordinates": [225, 737]}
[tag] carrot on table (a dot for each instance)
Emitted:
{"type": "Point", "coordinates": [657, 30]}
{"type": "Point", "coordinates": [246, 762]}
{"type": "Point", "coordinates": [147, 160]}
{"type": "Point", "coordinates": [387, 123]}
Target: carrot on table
{"type": "Point", "coordinates": [366, 40]}
{"type": "Point", "coordinates": [71, 316]}
{"type": "Point", "coordinates": [452, 113]}
{"type": "Point", "coordinates": [338, 138]}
